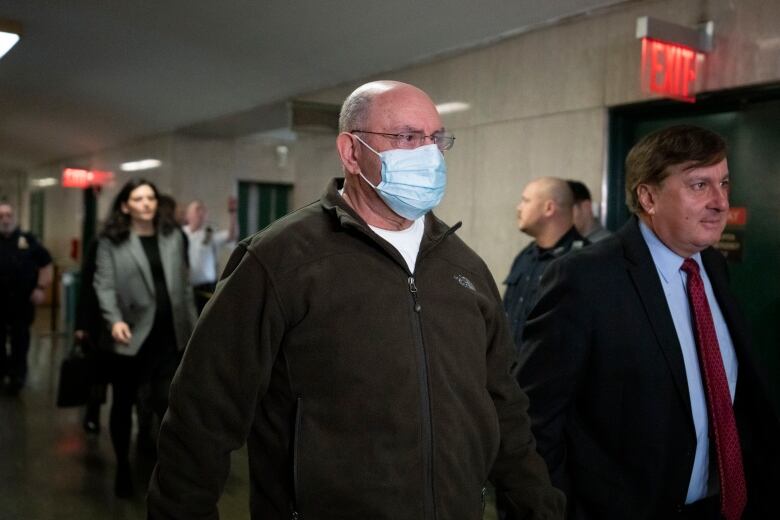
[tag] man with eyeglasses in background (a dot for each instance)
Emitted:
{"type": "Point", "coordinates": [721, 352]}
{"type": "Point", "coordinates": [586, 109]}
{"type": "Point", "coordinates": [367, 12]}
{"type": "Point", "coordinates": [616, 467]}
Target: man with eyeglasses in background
{"type": "Point", "coordinates": [359, 347]}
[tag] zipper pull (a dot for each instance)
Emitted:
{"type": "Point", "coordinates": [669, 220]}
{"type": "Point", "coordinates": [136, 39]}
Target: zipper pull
{"type": "Point", "coordinates": [413, 290]}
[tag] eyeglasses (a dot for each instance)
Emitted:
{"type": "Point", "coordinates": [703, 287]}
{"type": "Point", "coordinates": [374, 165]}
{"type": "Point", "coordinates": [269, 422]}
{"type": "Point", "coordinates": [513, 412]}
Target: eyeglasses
{"type": "Point", "coordinates": [408, 140]}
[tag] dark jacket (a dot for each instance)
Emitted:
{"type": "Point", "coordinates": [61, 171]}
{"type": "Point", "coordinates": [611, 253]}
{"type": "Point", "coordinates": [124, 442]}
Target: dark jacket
{"type": "Point", "coordinates": [362, 390]}
{"type": "Point", "coordinates": [522, 284]}
{"type": "Point", "coordinates": [604, 370]}
{"type": "Point", "coordinates": [21, 257]}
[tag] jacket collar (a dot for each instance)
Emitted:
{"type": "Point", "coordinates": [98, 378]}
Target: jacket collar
{"type": "Point", "coordinates": [644, 274]}
{"type": "Point", "coordinates": [435, 229]}
{"type": "Point", "coordinates": [570, 240]}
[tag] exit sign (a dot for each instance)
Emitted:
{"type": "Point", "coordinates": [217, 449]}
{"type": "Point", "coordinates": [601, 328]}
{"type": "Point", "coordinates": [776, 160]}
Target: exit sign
{"type": "Point", "coordinates": [671, 56]}
{"type": "Point", "coordinates": [669, 70]}
{"type": "Point", "coordinates": [80, 178]}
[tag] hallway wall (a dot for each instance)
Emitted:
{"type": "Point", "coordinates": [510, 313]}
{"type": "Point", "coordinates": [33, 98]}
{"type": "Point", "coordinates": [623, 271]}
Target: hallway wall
{"type": "Point", "coordinates": [539, 103]}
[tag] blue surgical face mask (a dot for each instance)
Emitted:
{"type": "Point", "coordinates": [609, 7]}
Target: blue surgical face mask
{"type": "Point", "coordinates": [413, 181]}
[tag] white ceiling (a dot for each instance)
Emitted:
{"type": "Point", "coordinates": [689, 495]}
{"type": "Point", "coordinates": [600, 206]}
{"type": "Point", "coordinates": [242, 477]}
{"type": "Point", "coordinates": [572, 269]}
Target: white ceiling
{"type": "Point", "coordinates": [91, 74]}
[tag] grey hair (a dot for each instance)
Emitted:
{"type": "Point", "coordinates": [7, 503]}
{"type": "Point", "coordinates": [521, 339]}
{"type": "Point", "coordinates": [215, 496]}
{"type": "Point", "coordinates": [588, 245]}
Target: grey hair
{"type": "Point", "coordinates": [354, 111]}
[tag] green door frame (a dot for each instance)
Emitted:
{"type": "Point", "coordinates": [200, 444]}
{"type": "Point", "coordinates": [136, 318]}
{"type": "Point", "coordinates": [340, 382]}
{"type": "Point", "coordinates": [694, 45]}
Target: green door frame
{"type": "Point", "coordinates": [723, 112]}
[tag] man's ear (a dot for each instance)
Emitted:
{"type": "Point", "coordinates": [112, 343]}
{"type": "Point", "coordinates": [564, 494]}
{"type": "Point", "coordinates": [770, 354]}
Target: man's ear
{"type": "Point", "coordinates": [549, 207]}
{"type": "Point", "coordinates": [348, 152]}
{"type": "Point", "coordinates": [646, 196]}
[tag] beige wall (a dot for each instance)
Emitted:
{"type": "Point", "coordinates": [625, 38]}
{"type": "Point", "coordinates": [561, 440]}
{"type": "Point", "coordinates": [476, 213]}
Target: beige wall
{"type": "Point", "coordinates": [538, 107]}
{"type": "Point", "coordinates": [539, 103]}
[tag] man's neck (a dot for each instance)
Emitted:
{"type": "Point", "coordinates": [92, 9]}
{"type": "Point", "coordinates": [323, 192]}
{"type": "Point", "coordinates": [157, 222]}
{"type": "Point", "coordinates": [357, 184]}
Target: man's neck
{"type": "Point", "coordinates": [590, 227]}
{"type": "Point", "coordinates": [366, 203]}
{"type": "Point", "coordinates": [550, 236]}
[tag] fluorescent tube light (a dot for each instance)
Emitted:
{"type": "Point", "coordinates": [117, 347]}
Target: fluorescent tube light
{"type": "Point", "coordinates": [10, 32]}
{"type": "Point", "coordinates": [44, 183]}
{"type": "Point", "coordinates": [143, 164]}
{"type": "Point", "coordinates": [452, 107]}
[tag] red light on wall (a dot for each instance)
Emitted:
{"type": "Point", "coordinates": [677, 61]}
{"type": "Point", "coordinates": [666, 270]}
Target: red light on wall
{"type": "Point", "coordinates": [80, 178]}
{"type": "Point", "coordinates": [737, 216]}
{"type": "Point", "coordinates": [669, 69]}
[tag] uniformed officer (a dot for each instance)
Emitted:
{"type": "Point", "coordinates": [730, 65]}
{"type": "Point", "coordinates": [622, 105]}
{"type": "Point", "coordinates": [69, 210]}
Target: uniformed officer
{"type": "Point", "coordinates": [25, 274]}
{"type": "Point", "coordinates": [544, 213]}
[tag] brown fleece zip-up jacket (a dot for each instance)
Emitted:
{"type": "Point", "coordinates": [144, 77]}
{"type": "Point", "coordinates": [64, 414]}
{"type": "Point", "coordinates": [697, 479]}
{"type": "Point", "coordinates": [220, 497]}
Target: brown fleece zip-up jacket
{"type": "Point", "coordinates": [363, 391]}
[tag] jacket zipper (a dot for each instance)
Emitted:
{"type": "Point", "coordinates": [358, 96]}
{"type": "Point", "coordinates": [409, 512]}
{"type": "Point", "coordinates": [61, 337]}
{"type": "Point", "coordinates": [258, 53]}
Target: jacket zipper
{"type": "Point", "coordinates": [425, 402]}
{"type": "Point", "coordinates": [296, 515]}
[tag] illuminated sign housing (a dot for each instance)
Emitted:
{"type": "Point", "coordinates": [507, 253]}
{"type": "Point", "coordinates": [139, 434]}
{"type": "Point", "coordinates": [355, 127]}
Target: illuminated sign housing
{"type": "Point", "coordinates": [80, 178]}
{"type": "Point", "coordinates": [671, 56]}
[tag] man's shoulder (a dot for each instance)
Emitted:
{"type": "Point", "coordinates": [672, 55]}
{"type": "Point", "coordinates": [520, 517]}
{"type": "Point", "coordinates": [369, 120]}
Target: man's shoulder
{"type": "Point", "coordinates": [28, 240]}
{"type": "Point", "coordinates": [457, 251]}
{"type": "Point", "coordinates": [604, 255]}
{"type": "Point", "coordinates": [293, 238]}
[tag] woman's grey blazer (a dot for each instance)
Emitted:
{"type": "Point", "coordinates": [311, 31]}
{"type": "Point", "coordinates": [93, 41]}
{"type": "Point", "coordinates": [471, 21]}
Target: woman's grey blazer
{"type": "Point", "coordinates": [125, 288]}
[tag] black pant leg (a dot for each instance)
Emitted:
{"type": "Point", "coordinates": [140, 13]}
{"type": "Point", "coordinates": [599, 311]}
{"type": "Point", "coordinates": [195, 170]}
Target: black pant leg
{"type": "Point", "coordinates": [3, 351]}
{"type": "Point", "coordinates": [124, 385]}
{"type": "Point", "coordinates": [22, 315]}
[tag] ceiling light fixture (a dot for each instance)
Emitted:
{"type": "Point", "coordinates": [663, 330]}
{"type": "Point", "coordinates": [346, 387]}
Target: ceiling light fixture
{"type": "Point", "coordinates": [143, 164]}
{"type": "Point", "coordinates": [10, 33]}
{"type": "Point", "coordinates": [44, 183]}
{"type": "Point", "coordinates": [452, 107]}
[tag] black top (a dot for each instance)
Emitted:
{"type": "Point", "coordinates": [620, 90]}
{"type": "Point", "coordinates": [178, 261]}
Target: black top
{"type": "Point", "coordinates": [21, 256]}
{"type": "Point", "coordinates": [522, 284]}
{"type": "Point", "coordinates": [164, 312]}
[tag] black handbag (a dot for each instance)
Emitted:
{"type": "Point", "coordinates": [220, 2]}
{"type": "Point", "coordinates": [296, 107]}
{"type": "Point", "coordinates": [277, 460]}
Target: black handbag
{"type": "Point", "coordinates": [75, 382]}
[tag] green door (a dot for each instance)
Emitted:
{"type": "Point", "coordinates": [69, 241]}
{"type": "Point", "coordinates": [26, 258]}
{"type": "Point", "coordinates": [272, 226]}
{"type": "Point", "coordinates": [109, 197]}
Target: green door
{"type": "Point", "coordinates": [751, 126]}
{"type": "Point", "coordinates": [259, 204]}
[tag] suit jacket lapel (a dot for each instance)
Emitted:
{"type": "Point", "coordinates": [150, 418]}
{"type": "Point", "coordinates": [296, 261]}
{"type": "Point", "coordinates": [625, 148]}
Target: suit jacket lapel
{"type": "Point", "coordinates": [138, 254]}
{"type": "Point", "coordinates": [726, 301]}
{"type": "Point", "coordinates": [648, 287]}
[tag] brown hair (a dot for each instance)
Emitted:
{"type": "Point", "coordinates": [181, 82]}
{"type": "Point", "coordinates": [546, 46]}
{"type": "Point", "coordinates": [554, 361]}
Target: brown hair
{"type": "Point", "coordinates": [649, 160]}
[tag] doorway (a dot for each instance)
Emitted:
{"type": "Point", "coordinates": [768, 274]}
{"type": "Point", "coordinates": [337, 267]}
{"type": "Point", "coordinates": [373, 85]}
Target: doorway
{"type": "Point", "coordinates": [749, 120]}
{"type": "Point", "coordinates": [259, 204]}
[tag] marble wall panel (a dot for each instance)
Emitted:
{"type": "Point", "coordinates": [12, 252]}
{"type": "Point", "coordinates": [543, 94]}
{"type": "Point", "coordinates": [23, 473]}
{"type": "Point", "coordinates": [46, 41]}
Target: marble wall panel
{"type": "Point", "coordinates": [511, 154]}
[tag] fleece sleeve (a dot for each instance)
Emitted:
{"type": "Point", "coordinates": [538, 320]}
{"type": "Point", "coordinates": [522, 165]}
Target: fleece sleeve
{"type": "Point", "coordinates": [224, 373]}
{"type": "Point", "coordinates": [519, 473]}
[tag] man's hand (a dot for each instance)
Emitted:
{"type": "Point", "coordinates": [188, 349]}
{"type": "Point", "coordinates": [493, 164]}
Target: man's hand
{"type": "Point", "coordinates": [120, 331]}
{"type": "Point", "coordinates": [38, 296]}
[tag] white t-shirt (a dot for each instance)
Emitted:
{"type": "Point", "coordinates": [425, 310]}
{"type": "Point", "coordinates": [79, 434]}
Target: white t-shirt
{"type": "Point", "coordinates": [407, 241]}
{"type": "Point", "coordinates": [203, 252]}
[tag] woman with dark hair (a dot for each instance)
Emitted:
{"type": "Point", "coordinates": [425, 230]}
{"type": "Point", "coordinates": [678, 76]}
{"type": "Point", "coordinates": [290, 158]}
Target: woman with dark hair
{"type": "Point", "coordinates": [145, 298]}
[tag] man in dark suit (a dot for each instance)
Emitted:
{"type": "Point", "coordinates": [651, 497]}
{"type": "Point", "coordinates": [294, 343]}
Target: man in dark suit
{"type": "Point", "coordinates": [636, 361]}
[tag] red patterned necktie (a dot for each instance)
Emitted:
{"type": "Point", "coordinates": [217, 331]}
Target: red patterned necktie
{"type": "Point", "coordinates": [723, 426]}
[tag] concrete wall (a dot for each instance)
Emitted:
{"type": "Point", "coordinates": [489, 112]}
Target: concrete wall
{"type": "Point", "coordinates": [538, 107]}
{"type": "Point", "coordinates": [539, 103]}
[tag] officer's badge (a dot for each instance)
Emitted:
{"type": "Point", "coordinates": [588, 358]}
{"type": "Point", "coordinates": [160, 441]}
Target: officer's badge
{"type": "Point", "coordinates": [22, 243]}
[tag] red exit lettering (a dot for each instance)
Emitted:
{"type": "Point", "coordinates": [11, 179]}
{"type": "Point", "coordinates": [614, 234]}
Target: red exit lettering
{"type": "Point", "coordinates": [669, 70]}
{"type": "Point", "coordinates": [80, 178]}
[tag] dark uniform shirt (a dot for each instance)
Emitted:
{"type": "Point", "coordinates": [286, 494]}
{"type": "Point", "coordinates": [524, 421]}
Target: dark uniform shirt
{"type": "Point", "coordinates": [21, 256]}
{"type": "Point", "coordinates": [522, 284]}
